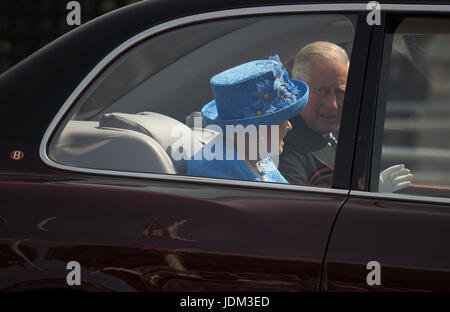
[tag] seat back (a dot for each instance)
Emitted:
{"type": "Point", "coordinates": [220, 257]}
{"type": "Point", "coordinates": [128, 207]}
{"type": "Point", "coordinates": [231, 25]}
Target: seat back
{"type": "Point", "coordinates": [85, 144]}
{"type": "Point", "coordinates": [144, 142]}
{"type": "Point", "coordinates": [178, 140]}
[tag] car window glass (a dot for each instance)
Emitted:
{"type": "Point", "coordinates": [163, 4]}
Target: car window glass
{"type": "Point", "coordinates": [413, 118]}
{"type": "Point", "coordinates": [141, 113]}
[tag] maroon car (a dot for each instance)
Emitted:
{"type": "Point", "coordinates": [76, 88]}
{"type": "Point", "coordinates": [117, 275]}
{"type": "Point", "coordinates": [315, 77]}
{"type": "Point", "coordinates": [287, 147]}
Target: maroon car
{"type": "Point", "coordinates": [87, 177]}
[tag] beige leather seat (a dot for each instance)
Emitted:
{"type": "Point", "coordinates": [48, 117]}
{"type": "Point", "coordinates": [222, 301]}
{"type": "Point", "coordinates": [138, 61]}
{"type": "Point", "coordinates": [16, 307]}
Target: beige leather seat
{"type": "Point", "coordinates": [126, 142]}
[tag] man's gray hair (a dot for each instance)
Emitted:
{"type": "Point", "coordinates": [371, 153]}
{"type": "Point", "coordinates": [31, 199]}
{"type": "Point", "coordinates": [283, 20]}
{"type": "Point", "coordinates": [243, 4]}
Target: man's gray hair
{"type": "Point", "coordinates": [317, 51]}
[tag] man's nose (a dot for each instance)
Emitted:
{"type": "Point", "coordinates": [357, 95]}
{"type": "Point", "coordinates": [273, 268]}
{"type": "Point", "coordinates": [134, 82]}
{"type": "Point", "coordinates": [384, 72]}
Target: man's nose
{"type": "Point", "coordinates": [332, 101]}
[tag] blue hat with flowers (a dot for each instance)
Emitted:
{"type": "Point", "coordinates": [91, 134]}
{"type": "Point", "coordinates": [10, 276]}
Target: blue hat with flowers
{"type": "Point", "coordinates": [258, 92]}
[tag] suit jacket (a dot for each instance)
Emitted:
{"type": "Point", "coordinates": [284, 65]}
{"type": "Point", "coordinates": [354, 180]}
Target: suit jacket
{"type": "Point", "coordinates": [308, 157]}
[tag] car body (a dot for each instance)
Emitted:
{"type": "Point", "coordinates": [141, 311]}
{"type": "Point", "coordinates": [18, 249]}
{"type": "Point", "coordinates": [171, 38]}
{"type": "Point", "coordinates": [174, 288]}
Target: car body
{"type": "Point", "coordinates": [139, 231]}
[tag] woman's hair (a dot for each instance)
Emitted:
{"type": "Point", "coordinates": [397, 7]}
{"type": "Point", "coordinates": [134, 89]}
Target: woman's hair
{"type": "Point", "coordinates": [317, 51]}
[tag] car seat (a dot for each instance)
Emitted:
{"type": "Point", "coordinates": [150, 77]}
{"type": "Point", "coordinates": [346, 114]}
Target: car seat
{"type": "Point", "coordinates": [127, 142]}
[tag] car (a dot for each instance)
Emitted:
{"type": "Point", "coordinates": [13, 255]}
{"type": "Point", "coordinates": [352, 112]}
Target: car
{"type": "Point", "coordinates": [87, 182]}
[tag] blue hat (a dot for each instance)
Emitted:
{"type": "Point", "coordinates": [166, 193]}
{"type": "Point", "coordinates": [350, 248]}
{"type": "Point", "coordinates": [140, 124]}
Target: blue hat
{"type": "Point", "coordinates": [258, 92]}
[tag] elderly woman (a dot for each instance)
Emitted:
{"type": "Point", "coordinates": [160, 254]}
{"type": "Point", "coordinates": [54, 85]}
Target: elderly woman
{"type": "Point", "coordinates": [251, 107]}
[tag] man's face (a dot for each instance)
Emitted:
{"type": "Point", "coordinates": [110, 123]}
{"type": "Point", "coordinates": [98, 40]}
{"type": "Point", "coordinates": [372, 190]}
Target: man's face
{"type": "Point", "coordinates": [327, 81]}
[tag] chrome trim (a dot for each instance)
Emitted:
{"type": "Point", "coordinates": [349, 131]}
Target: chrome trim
{"type": "Point", "coordinates": [205, 180]}
{"type": "Point", "coordinates": [187, 20]}
{"type": "Point", "coordinates": [401, 197]}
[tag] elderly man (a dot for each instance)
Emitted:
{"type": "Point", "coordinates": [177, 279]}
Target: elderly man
{"type": "Point", "coordinates": [310, 149]}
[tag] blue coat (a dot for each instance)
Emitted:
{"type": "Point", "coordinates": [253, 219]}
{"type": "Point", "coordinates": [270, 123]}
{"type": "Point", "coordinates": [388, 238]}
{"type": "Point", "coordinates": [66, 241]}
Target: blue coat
{"type": "Point", "coordinates": [230, 169]}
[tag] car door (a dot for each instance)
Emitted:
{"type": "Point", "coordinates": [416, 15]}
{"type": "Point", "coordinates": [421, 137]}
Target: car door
{"type": "Point", "coordinates": [90, 198]}
{"type": "Point", "coordinates": [397, 241]}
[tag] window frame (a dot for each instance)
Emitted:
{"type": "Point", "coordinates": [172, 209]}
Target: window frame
{"type": "Point", "coordinates": [341, 180]}
{"type": "Point", "coordinates": [365, 148]}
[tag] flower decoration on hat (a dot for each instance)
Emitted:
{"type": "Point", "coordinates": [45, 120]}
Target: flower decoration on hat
{"type": "Point", "coordinates": [273, 94]}
{"type": "Point", "coordinates": [284, 90]}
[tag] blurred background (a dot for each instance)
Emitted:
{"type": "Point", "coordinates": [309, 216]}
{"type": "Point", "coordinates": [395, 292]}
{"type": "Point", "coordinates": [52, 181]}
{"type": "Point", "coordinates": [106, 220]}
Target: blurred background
{"type": "Point", "coordinates": [416, 129]}
{"type": "Point", "coordinates": [28, 25]}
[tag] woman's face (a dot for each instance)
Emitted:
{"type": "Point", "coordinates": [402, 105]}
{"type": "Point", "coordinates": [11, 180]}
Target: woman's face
{"type": "Point", "coordinates": [283, 129]}
{"type": "Point", "coordinates": [285, 126]}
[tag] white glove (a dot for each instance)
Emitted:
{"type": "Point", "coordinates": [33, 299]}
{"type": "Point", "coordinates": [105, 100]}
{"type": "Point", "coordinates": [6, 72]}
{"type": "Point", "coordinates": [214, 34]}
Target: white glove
{"type": "Point", "coordinates": [394, 178]}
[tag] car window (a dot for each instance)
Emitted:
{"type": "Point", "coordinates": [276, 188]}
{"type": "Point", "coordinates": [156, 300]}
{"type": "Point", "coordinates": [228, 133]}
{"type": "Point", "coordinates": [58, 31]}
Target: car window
{"type": "Point", "coordinates": [413, 117]}
{"type": "Point", "coordinates": [147, 111]}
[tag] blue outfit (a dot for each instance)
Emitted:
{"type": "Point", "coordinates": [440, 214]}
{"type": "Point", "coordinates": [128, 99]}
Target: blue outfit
{"type": "Point", "coordinates": [231, 169]}
{"type": "Point", "coordinates": [255, 93]}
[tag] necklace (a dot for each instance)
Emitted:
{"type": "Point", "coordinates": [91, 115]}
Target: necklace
{"type": "Point", "coordinates": [255, 172]}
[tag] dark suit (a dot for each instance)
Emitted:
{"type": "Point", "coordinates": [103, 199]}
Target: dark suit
{"type": "Point", "coordinates": [308, 157]}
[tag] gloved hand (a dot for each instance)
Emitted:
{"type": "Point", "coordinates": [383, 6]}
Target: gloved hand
{"type": "Point", "coordinates": [394, 178]}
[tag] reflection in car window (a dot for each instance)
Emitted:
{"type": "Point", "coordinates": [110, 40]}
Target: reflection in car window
{"type": "Point", "coordinates": [413, 118]}
{"type": "Point", "coordinates": [141, 114]}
